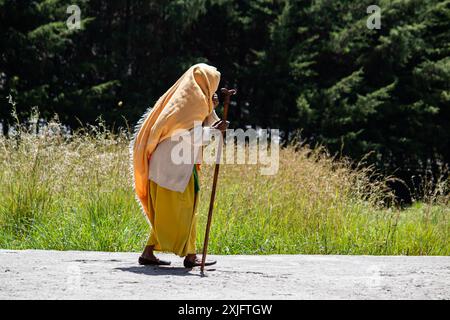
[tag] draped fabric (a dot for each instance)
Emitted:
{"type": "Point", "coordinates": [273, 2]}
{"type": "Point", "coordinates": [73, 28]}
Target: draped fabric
{"type": "Point", "coordinates": [188, 101]}
{"type": "Point", "coordinates": [173, 217]}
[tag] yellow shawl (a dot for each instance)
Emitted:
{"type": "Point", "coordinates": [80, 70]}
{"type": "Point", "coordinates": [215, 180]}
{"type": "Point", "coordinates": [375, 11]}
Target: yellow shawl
{"type": "Point", "coordinates": [188, 100]}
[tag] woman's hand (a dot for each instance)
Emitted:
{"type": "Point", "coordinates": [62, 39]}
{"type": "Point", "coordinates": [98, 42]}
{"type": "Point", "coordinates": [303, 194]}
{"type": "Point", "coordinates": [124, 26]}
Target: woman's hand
{"type": "Point", "coordinates": [215, 99]}
{"type": "Point", "coordinates": [221, 125]}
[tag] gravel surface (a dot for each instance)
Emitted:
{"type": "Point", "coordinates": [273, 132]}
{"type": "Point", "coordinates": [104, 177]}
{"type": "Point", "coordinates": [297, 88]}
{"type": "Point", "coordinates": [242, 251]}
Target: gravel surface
{"type": "Point", "coordinates": [38, 274]}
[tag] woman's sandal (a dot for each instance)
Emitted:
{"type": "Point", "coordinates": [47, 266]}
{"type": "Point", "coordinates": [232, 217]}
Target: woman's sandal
{"type": "Point", "coordinates": [148, 262]}
{"type": "Point", "coordinates": [197, 263]}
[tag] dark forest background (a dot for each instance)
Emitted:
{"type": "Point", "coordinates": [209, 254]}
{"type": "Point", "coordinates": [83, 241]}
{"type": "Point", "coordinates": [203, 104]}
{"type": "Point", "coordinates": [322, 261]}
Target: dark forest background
{"type": "Point", "coordinates": [312, 66]}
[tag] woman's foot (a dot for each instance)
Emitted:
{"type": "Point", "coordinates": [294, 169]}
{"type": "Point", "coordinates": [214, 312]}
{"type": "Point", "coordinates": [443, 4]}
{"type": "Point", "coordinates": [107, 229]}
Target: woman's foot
{"type": "Point", "coordinates": [152, 262]}
{"type": "Point", "coordinates": [191, 261]}
{"type": "Point", "coordinates": [148, 258]}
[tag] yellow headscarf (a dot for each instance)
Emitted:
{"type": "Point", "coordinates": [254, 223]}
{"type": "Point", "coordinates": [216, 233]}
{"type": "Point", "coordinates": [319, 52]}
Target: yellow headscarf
{"type": "Point", "coordinates": [188, 100]}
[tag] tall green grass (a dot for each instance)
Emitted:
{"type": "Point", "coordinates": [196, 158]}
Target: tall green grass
{"type": "Point", "coordinates": [74, 193]}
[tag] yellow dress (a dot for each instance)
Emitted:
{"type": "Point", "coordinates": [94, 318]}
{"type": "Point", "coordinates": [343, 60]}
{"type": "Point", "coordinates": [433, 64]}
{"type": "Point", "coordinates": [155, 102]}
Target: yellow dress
{"type": "Point", "coordinates": [173, 216]}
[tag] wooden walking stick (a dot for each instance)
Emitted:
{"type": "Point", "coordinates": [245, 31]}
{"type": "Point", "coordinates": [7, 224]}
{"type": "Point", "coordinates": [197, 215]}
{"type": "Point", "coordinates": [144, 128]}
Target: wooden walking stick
{"type": "Point", "coordinates": [226, 103]}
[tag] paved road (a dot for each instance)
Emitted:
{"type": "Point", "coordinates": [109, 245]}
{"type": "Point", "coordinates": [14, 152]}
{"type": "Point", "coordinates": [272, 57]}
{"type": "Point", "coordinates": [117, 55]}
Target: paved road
{"type": "Point", "coordinates": [40, 274]}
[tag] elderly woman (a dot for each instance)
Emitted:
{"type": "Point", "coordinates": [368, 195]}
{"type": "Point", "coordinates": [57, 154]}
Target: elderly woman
{"type": "Point", "coordinates": [167, 190]}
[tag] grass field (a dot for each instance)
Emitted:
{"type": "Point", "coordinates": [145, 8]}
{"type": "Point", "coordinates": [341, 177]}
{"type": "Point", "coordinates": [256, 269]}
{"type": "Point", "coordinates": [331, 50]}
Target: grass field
{"type": "Point", "coordinates": [75, 194]}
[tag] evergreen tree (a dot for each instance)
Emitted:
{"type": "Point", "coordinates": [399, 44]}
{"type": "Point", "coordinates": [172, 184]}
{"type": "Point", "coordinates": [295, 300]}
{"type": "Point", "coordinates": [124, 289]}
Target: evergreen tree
{"type": "Point", "coordinates": [302, 65]}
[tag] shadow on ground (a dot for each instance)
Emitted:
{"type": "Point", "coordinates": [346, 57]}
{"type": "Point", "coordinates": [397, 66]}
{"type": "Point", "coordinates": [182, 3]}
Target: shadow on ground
{"type": "Point", "coordinates": [158, 271]}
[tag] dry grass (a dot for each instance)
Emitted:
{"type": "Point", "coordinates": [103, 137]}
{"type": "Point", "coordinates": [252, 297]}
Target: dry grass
{"type": "Point", "coordinates": [60, 192]}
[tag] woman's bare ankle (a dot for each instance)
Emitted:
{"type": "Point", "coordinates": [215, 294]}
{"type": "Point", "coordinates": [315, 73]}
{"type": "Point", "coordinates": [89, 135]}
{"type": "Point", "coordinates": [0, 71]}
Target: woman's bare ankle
{"type": "Point", "coordinates": [191, 257]}
{"type": "Point", "coordinates": [148, 253]}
